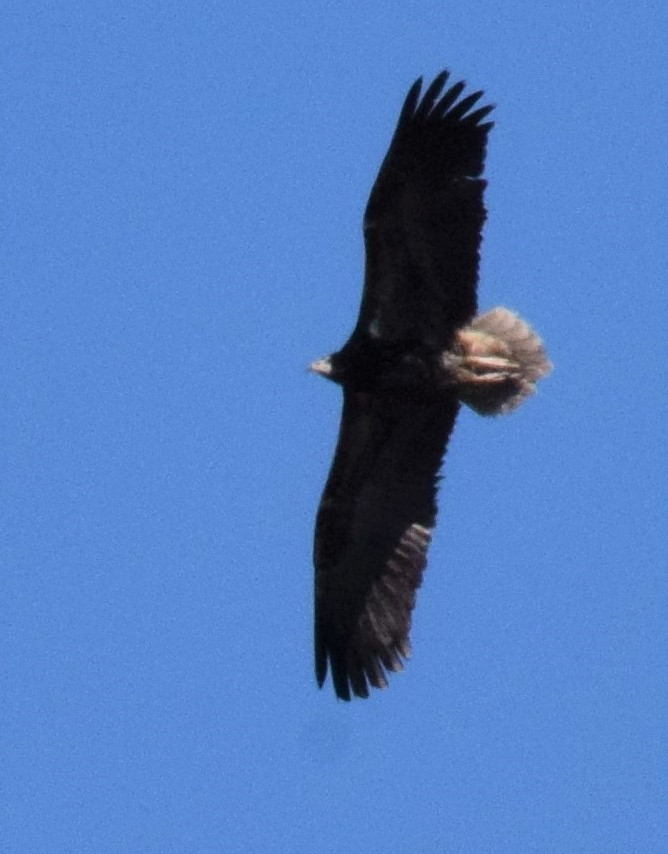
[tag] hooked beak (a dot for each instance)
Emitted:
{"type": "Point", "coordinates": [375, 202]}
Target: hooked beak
{"type": "Point", "coordinates": [322, 367]}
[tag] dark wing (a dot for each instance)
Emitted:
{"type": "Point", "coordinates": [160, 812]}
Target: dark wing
{"type": "Point", "coordinates": [372, 532]}
{"type": "Point", "coordinates": [424, 218]}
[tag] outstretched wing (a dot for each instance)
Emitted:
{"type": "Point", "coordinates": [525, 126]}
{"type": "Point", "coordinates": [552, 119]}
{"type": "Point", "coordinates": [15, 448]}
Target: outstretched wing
{"type": "Point", "coordinates": [372, 532]}
{"type": "Point", "coordinates": [424, 218]}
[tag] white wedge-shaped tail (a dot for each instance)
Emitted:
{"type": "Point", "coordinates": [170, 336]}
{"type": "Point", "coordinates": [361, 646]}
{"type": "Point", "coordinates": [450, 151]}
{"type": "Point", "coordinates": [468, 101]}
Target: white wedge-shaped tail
{"type": "Point", "coordinates": [496, 361]}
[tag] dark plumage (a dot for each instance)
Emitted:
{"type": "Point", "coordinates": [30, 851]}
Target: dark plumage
{"type": "Point", "coordinates": [416, 352]}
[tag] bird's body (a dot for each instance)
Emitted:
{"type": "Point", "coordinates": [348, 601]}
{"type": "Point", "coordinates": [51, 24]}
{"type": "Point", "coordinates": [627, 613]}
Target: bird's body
{"type": "Point", "coordinates": [416, 353]}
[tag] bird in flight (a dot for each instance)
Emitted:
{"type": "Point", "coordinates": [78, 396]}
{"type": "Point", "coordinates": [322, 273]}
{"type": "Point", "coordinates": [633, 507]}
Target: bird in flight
{"type": "Point", "coordinates": [417, 352]}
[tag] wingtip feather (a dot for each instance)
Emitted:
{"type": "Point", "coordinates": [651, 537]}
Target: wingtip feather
{"type": "Point", "coordinates": [410, 102]}
{"type": "Point", "coordinates": [430, 97]}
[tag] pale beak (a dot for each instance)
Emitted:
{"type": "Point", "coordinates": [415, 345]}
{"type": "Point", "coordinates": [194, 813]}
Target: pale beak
{"type": "Point", "coordinates": [322, 367]}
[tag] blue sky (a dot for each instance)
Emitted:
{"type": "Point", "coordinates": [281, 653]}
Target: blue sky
{"type": "Point", "coordinates": [182, 191]}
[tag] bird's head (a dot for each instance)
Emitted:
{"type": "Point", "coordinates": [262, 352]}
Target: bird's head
{"type": "Point", "coordinates": [328, 367]}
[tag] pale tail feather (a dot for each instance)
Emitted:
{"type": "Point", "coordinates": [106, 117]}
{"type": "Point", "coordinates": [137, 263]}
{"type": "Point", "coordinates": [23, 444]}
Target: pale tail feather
{"type": "Point", "coordinates": [501, 359]}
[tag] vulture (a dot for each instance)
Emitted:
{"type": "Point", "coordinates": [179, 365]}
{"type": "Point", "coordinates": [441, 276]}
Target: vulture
{"type": "Point", "coordinates": [417, 352]}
